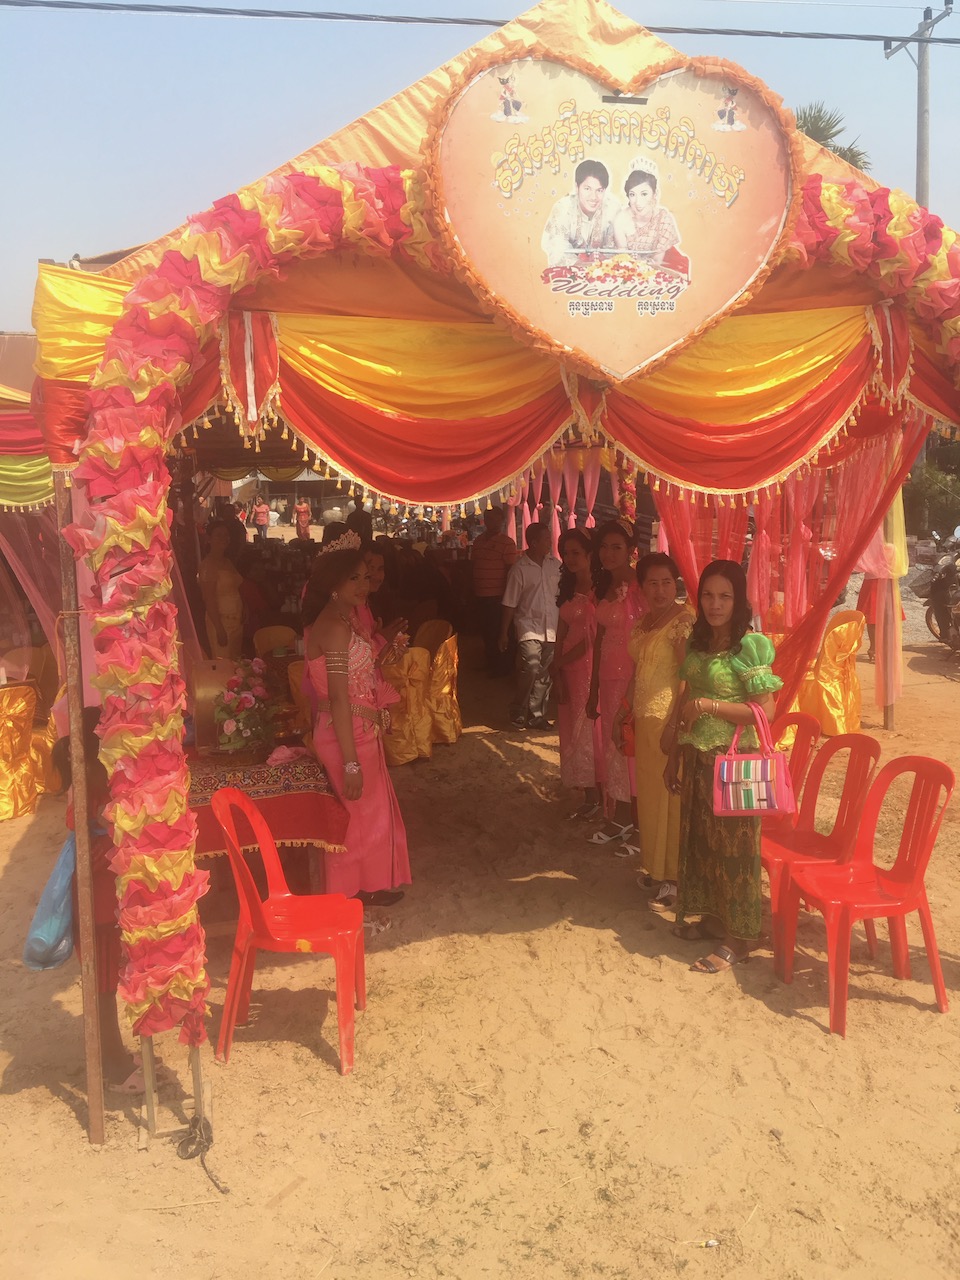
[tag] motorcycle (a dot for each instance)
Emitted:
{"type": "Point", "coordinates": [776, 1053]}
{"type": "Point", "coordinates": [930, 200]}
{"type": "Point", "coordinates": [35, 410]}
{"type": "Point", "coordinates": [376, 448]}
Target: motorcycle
{"type": "Point", "coordinates": [939, 589]}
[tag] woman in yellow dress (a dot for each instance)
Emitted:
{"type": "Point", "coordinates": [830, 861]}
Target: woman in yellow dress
{"type": "Point", "coordinates": [220, 584]}
{"type": "Point", "coordinates": [658, 644]}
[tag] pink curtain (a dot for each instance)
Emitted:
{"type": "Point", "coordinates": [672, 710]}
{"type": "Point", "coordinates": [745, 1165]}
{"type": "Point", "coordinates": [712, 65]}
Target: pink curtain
{"type": "Point", "coordinates": [14, 625]}
{"type": "Point", "coordinates": [29, 543]}
{"type": "Point", "coordinates": [591, 483]}
{"type": "Point", "coordinates": [571, 484]}
{"type": "Point", "coordinates": [555, 483]}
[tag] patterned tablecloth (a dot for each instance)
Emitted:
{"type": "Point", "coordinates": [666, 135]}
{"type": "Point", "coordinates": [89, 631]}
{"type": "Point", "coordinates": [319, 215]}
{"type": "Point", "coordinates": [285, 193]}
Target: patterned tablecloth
{"type": "Point", "coordinates": [295, 798]}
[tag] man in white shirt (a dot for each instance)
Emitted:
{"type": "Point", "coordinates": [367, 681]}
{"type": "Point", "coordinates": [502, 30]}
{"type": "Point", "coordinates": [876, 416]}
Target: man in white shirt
{"type": "Point", "coordinates": [530, 603]}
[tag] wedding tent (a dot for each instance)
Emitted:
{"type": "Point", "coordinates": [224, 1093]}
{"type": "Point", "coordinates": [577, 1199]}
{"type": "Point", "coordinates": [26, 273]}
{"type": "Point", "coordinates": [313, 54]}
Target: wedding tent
{"type": "Point", "coordinates": [366, 305]}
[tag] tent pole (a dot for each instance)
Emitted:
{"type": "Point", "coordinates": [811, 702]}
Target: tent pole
{"type": "Point", "coordinates": [81, 817]}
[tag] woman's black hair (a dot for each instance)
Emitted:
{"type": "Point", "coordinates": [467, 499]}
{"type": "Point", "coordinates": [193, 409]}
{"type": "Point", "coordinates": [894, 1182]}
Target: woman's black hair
{"type": "Point", "coordinates": [603, 577]}
{"type": "Point", "coordinates": [638, 178]}
{"type": "Point", "coordinates": [329, 570]}
{"type": "Point", "coordinates": [656, 560]}
{"type": "Point", "coordinates": [740, 623]}
{"type": "Point", "coordinates": [568, 582]}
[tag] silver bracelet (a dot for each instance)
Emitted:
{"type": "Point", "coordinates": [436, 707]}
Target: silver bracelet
{"type": "Point", "coordinates": [351, 766]}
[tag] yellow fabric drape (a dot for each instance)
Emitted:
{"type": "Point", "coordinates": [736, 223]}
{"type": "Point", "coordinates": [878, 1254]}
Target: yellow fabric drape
{"type": "Point", "coordinates": [18, 770]}
{"type": "Point", "coordinates": [410, 724]}
{"type": "Point", "coordinates": [831, 691]}
{"type": "Point", "coordinates": [25, 481]}
{"type": "Point", "coordinates": [73, 314]}
{"type": "Point", "coordinates": [752, 366]}
{"type": "Point", "coordinates": [416, 367]}
{"type": "Point", "coordinates": [12, 398]}
{"type": "Point", "coordinates": [442, 703]}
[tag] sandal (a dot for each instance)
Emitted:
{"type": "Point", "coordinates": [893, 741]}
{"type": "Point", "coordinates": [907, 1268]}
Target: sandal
{"type": "Point", "coordinates": [584, 813]}
{"type": "Point", "coordinates": [620, 833]}
{"type": "Point", "coordinates": [627, 850]}
{"type": "Point", "coordinates": [665, 898]}
{"type": "Point", "coordinates": [695, 931]}
{"type": "Point", "coordinates": [730, 958]}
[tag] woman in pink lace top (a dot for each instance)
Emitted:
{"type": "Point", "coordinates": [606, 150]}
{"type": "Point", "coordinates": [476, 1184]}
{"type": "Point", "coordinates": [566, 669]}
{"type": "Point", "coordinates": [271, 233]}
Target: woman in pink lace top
{"type": "Point", "coordinates": [348, 732]}
{"type": "Point", "coordinates": [619, 605]}
{"type": "Point", "coordinates": [571, 668]}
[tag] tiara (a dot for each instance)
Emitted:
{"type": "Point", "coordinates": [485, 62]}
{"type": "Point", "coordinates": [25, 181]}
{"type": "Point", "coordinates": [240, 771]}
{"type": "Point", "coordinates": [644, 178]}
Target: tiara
{"type": "Point", "coordinates": [348, 541]}
{"type": "Point", "coordinates": [641, 164]}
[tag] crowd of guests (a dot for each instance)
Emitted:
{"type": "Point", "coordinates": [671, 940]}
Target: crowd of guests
{"type": "Point", "coordinates": [649, 690]}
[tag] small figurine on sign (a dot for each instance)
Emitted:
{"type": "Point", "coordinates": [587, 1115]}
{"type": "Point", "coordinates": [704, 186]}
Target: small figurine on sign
{"type": "Point", "coordinates": [511, 107]}
{"type": "Point", "coordinates": [727, 114]}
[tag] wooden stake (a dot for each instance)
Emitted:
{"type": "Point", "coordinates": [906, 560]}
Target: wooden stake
{"type": "Point", "coordinates": [81, 818]}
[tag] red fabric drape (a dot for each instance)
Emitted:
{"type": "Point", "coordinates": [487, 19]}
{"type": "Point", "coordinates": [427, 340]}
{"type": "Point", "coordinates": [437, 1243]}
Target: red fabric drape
{"type": "Point", "coordinates": [19, 434]}
{"type": "Point", "coordinates": [422, 459]}
{"type": "Point", "coordinates": [743, 457]}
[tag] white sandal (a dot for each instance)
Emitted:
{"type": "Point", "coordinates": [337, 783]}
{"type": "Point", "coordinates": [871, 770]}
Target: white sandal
{"type": "Point", "coordinates": [621, 833]}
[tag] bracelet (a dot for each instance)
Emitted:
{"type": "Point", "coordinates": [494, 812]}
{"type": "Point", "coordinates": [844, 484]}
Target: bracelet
{"type": "Point", "coordinates": [351, 766]}
{"type": "Point", "coordinates": [716, 708]}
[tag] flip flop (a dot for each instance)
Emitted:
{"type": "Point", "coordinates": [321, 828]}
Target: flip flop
{"type": "Point", "coordinates": [729, 958]}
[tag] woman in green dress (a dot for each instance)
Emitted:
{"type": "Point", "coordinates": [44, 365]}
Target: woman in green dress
{"type": "Point", "coordinates": [727, 668]}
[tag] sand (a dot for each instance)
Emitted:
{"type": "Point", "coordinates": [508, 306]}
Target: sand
{"type": "Point", "coordinates": [542, 1088]}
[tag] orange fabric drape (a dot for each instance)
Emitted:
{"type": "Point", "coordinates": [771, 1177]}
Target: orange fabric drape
{"type": "Point", "coordinates": [421, 459]}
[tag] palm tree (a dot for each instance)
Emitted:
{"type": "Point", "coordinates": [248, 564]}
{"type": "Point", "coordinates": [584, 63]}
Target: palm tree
{"type": "Point", "coordinates": [825, 126]}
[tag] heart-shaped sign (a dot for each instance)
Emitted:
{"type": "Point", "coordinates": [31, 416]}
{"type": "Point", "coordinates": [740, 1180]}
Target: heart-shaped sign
{"type": "Point", "coordinates": [611, 226]}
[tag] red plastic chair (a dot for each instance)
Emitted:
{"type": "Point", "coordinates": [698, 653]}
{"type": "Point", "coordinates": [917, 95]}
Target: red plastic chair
{"type": "Point", "coordinates": [806, 736]}
{"type": "Point", "coordinates": [861, 890]}
{"type": "Point", "coordinates": [786, 848]}
{"type": "Point", "coordinates": [327, 923]}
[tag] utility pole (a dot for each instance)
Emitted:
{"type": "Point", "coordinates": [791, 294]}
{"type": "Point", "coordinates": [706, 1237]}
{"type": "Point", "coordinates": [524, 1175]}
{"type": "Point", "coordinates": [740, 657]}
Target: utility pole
{"type": "Point", "coordinates": [922, 63]}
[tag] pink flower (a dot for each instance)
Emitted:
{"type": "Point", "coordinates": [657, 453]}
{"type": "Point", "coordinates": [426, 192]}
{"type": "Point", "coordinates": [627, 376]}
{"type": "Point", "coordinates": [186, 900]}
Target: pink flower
{"type": "Point", "coordinates": [258, 665]}
{"type": "Point", "coordinates": [229, 726]}
{"type": "Point", "coordinates": [246, 733]}
{"type": "Point", "coordinates": [259, 690]}
{"type": "Point", "coordinates": [229, 697]}
{"type": "Point", "coordinates": [246, 701]}
{"type": "Point", "coordinates": [234, 682]}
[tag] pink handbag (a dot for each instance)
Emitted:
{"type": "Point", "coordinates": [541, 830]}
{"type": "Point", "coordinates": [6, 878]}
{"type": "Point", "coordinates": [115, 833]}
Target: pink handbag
{"type": "Point", "coordinates": [746, 785]}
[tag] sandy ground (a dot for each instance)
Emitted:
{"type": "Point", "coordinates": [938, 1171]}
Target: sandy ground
{"type": "Point", "coordinates": [542, 1087]}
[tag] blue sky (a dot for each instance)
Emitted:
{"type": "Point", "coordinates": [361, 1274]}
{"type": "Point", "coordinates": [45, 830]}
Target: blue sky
{"type": "Point", "coordinates": [116, 127]}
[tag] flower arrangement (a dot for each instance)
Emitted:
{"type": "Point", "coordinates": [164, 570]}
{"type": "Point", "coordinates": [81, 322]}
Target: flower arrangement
{"type": "Point", "coordinates": [243, 712]}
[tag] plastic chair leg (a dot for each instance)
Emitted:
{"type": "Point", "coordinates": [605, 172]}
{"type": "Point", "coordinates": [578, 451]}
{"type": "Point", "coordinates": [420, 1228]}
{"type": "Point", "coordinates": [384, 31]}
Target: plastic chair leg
{"type": "Point", "coordinates": [345, 959]}
{"type": "Point", "coordinates": [870, 929]}
{"type": "Point", "coordinates": [839, 929]}
{"type": "Point", "coordinates": [228, 1020]}
{"type": "Point", "coordinates": [774, 870]}
{"type": "Point", "coordinates": [899, 948]}
{"type": "Point", "coordinates": [246, 986]}
{"type": "Point", "coordinates": [933, 955]}
{"type": "Point", "coordinates": [360, 972]}
{"type": "Point", "coordinates": [790, 912]}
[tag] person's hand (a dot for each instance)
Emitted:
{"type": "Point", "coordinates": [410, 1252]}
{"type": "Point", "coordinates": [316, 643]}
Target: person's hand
{"type": "Point", "coordinates": [502, 644]}
{"type": "Point", "coordinates": [617, 734]}
{"type": "Point", "coordinates": [671, 773]}
{"type": "Point", "coordinates": [394, 629]}
{"type": "Point", "coordinates": [352, 785]}
{"type": "Point", "coordinates": [668, 737]}
{"type": "Point", "coordinates": [221, 634]}
{"type": "Point", "coordinates": [690, 714]}
{"type": "Point", "coordinates": [593, 711]}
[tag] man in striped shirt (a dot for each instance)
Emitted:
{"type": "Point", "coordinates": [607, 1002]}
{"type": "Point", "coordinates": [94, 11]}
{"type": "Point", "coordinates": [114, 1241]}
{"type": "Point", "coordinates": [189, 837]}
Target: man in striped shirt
{"type": "Point", "coordinates": [491, 558]}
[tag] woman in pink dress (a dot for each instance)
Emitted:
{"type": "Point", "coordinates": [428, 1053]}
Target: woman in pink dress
{"type": "Point", "coordinates": [348, 730]}
{"type": "Point", "coordinates": [619, 605]}
{"type": "Point", "coordinates": [571, 668]}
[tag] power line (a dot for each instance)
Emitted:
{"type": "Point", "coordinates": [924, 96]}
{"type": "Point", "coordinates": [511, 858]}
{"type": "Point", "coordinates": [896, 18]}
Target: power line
{"type": "Point", "coordinates": [303, 15]}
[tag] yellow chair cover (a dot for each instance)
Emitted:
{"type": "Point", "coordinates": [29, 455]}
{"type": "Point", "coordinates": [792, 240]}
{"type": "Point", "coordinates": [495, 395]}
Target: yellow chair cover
{"type": "Point", "coordinates": [442, 704]}
{"type": "Point", "coordinates": [430, 635]}
{"type": "Point", "coordinates": [831, 691]}
{"type": "Point", "coordinates": [18, 771]}
{"type": "Point", "coordinates": [295, 681]}
{"type": "Point", "coordinates": [208, 678]}
{"type": "Point", "coordinates": [269, 638]}
{"type": "Point", "coordinates": [41, 756]}
{"type": "Point", "coordinates": [410, 723]}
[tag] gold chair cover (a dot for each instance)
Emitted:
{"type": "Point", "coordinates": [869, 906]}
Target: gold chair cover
{"type": "Point", "coordinates": [41, 754]}
{"type": "Point", "coordinates": [269, 638]}
{"type": "Point", "coordinates": [18, 771]}
{"type": "Point", "coordinates": [831, 691]}
{"type": "Point", "coordinates": [208, 678]}
{"type": "Point", "coordinates": [410, 722]}
{"type": "Point", "coordinates": [445, 722]}
{"type": "Point", "coordinates": [431, 635]}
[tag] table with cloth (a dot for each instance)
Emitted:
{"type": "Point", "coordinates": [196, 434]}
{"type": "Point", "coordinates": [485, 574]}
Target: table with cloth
{"type": "Point", "coordinates": [295, 797]}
